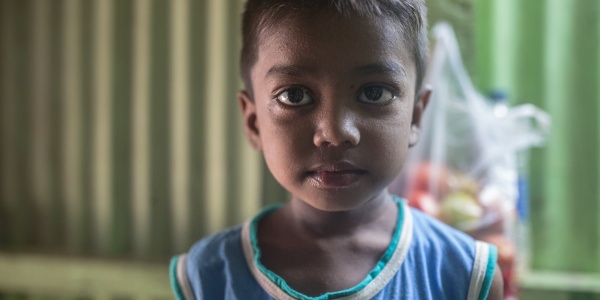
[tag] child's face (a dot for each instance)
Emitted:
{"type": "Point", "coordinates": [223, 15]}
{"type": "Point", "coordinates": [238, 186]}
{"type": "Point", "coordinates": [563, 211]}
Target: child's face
{"type": "Point", "coordinates": [333, 107]}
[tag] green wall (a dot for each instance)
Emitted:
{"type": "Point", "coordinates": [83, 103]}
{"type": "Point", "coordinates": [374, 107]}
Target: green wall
{"type": "Point", "coordinates": [547, 52]}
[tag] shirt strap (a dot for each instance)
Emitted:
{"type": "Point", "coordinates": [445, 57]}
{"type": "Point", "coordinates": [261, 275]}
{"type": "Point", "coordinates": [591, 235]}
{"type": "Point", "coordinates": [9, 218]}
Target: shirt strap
{"type": "Point", "coordinates": [179, 279]}
{"type": "Point", "coordinates": [484, 267]}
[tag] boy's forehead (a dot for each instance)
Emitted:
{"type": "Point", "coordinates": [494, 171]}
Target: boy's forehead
{"type": "Point", "coordinates": [325, 41]}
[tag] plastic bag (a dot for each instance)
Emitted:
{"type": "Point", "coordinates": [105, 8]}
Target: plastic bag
{"type": "Point", "coordinates": [464, 169]}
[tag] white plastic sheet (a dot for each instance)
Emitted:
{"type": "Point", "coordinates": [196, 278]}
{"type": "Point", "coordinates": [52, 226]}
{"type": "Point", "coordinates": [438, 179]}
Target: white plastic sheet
{"type": "Point", "coordinates": [467, 152]}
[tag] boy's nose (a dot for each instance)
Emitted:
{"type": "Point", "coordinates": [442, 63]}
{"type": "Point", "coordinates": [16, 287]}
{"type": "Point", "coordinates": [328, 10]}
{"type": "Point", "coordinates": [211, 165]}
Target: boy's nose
{"type": "Point", "coordinates": [336, 128]}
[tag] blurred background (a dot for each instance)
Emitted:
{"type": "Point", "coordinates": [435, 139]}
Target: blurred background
{"type": "Point", "coordinates": [121, 142]}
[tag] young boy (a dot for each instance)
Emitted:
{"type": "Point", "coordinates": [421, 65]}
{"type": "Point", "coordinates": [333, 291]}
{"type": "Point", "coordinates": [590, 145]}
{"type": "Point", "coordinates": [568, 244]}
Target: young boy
{"type": "Point", "coordinates": [333, 100]}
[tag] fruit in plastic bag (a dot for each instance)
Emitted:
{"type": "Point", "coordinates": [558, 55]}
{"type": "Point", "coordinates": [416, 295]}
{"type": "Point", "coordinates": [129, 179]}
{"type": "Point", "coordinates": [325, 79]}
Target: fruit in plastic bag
{"type": "Point", "coordinates": [460, 209]}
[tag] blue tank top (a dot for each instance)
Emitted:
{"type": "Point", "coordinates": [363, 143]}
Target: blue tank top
{"type": "Point", "coordinates": [426, 259]}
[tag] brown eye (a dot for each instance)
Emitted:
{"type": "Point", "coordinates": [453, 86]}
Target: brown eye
{"type": "Point", "coordinates": [375, 94]}
{"type": "Point", "coordinates": [295, 97]}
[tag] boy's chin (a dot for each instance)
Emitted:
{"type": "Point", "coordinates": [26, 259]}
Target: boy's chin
{"type": "Point", "coordinates": [339, 201]}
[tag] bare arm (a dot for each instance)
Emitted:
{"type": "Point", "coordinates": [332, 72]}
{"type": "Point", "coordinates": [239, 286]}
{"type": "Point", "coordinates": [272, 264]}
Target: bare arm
{"type": "Point", "coordinates": [497, 288]}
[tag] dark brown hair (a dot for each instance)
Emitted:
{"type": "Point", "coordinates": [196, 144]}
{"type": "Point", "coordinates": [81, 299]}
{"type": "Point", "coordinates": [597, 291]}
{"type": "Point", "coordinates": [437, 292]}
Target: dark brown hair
{"type": "Point", "coordinates": [261, 15]}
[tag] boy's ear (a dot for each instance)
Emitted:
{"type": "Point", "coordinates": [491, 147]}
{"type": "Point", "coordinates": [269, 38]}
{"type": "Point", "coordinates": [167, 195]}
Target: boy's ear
{"type": "Point", "coordinates": [420, 104]}
{"type": "Point", "coordinates": [249, 119]}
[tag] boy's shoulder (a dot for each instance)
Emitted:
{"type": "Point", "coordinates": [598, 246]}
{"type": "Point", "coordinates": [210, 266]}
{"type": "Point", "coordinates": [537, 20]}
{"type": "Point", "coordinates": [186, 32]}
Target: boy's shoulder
{"type": "Point", "coordinates": [212, 268]}
{"type": "Point", "coordinates": [448, 260]}
{"type": "Point", "coordinates": [215, 248]}
{"type": "Point", "coordinates": [444, 246]}
{"type": "Point", "coordinates": [430, 230]}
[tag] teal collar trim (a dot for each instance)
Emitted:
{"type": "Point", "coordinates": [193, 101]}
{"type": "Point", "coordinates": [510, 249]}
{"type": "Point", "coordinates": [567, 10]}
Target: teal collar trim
{"type": "Point", "coordinates": [384, 270]}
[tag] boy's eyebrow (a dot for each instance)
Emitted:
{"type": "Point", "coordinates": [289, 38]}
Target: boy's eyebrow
{"type": "Point", "coordinates": [299, 71]}
{"type": "Point", "coordinates": [382, 67]}
{"type": "Point", "coordinates": [290, 70]}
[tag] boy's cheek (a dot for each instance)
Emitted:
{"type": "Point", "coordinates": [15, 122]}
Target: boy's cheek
{"type": "Point", "coordinates": [285, 158]}
{"type": "Point", "coordinates": [291, 141]}
{"type": "Point", "coordinates": [281, 116]}
{"type": "Point", "coordinates": [285, 125]}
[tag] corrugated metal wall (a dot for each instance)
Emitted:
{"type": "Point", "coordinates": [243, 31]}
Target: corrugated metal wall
{"type": "Point", "coordinates": [547, 52]}
{"type": "Point", "coordinates": [120, 132]}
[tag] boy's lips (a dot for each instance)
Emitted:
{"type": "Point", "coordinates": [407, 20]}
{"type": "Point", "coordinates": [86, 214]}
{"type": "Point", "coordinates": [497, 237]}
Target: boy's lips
{"type": "Point", "coordinates": [335, 175]}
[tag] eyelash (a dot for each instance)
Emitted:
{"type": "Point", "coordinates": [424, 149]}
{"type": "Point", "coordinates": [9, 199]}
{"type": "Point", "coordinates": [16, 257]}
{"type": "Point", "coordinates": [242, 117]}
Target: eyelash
{"type": "Point", "coordinates": [279, 93]}
{"type": "Point", "coordinates": [395, 94]}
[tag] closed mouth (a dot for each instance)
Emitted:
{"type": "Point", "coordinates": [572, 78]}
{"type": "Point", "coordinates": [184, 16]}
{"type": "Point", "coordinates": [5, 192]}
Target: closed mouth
{"type": "Point", "coordinates": [336, 167]}
{"type": "Point", "coordinates": [335, 175]}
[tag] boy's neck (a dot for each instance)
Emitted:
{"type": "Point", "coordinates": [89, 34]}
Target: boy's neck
{"type": "Point", "coordinates": [379, 211]}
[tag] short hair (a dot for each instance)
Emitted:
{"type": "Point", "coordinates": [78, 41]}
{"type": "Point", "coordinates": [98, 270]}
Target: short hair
{"type": "Point", "coordinates": [261, 15]}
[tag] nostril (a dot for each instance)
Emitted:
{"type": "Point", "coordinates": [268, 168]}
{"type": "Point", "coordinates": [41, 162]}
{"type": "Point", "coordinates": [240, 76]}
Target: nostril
{"type": "Point", "coordinates": [337, 127]}
{"type": "Point", "coordinates": [345, 138]}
